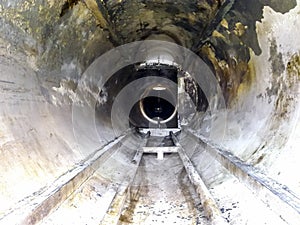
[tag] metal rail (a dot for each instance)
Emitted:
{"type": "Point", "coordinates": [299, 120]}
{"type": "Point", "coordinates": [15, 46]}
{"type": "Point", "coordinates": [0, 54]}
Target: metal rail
{"type": "Point", "coordinates": [114, 212]}
{"type": "Point", "coordinates": [277, 196]}
{"type": "Point", "coordinates": [209, 204]}
{"type": "Point", "coordinates": [34, 208]}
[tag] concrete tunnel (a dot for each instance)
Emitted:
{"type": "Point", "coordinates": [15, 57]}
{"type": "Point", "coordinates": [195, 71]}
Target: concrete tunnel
{"type": "Point", "coordinates": [82, 82]}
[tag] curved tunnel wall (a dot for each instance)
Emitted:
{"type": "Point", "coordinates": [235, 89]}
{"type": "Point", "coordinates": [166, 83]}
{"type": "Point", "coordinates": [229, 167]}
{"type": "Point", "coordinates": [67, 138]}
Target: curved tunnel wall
{"type": "Point", "coordinates": [38, 87]}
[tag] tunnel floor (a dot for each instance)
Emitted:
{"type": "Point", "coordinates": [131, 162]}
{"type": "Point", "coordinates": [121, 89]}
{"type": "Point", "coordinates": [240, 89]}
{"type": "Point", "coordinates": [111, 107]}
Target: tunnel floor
{"type": "Point", "coordinates": [161, 193]}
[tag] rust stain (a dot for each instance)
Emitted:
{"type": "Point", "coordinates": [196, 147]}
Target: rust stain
{"type": "Point", "coordinates": [234, 76]}
{"type": "Point", "coordinates": [134, 196]}
{"type": "Point", "coordinates": [293, 66]}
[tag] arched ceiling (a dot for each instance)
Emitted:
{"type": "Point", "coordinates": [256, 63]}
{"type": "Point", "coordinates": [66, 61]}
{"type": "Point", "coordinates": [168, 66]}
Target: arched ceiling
{"type": "Point", "coordinates": [56, 35]}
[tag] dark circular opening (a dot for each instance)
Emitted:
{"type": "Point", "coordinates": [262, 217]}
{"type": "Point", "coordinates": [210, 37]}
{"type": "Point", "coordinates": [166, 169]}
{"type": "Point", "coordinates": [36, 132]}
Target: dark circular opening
{"type": "Point", "coordinates": [157, 108]}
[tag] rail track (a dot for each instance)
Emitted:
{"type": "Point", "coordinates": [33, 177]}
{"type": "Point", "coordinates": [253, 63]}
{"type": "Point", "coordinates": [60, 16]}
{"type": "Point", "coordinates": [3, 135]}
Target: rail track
{"type": "Point", "coordinates": [152, 182]}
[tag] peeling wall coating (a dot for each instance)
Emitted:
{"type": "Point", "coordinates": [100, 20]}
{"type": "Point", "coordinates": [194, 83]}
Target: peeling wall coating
{"type": "Point", "coordinates": [252, 47]}
{"type": "Point", "coordinates": [226, 45]}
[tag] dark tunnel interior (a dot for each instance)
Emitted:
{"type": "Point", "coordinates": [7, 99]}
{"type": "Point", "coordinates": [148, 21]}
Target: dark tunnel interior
{"type": "Point", "coordinates": [104, 102]}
